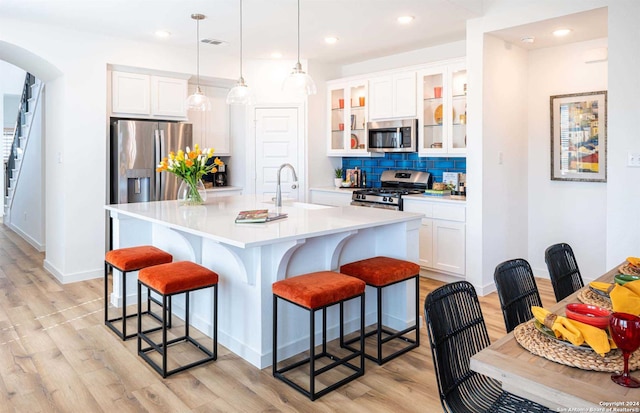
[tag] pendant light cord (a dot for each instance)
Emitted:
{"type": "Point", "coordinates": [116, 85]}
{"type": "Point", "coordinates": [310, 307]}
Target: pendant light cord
{"type": "Point", "coordinates": [241, 39]}
{"type": "Point", "coordinates": [298, 31]}
{"type": "Point", "coordinates": [198, 54]}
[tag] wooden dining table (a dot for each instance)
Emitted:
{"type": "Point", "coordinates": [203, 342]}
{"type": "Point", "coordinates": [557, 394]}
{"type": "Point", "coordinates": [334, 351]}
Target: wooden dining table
{"type": "Point", "coordinates": [557, 386]}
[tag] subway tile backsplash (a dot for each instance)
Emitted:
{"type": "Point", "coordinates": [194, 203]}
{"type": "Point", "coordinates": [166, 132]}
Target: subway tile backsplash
{"type": "Point", "coordinates": [374, 167]}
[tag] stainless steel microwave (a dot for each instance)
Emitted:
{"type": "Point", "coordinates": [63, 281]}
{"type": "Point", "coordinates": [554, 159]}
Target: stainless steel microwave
{"type": "Point", "coordinates": [393, 135]}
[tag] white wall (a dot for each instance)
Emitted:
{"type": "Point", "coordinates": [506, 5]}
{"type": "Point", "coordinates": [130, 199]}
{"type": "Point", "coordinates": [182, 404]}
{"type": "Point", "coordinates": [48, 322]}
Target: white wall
{"type": "Point", "coordinates": [623, 213]}
{"type": "Point", "coordinates": [11, 82]}
{"type": "Point", "coordinates": [504, 158]}
{"type": "Point", "coordinates": [414, 57]}
{"type": "Point", "coordinates": [563, 211]}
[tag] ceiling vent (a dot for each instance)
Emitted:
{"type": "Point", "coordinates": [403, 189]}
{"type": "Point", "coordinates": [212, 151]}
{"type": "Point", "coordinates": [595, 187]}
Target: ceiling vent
{"type": "Point", "coordinates": [215, 42]}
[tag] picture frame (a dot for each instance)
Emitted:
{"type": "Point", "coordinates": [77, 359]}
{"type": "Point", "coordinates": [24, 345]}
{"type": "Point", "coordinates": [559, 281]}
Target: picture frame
{"type": "Point", "coordinates": [579, 137]}
{"type": "Point", "coordinates": [353, 122]}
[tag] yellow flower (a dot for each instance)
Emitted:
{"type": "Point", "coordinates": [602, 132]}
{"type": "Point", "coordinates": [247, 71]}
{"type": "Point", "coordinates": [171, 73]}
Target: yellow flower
{"type": "Point", "coordinates": [172, 155]}
{"type": "Point", "coordinates": [210, 153]}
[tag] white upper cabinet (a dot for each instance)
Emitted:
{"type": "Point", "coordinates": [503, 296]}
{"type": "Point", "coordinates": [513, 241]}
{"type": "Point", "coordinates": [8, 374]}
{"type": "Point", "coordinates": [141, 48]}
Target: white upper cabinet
{"type": "Point", "coordinates": [347, 103]}
{"type": "Point", "coordinates": [211, 128]}
{"type": "Point", "coordinates": [393, 96]}
{"type": "Point", "coordinates": [130, 93]}
{"type": "Point", "coordinates": [168, 96]}
{"type": "Point", "coordinates": [147, 96]}
{"type": "Point", "coordinates": [442, 110]}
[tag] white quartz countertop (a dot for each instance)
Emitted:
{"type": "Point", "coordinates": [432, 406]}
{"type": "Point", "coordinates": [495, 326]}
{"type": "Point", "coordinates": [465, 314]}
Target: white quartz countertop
{"type": "Point", "coordinates": [215, 219]}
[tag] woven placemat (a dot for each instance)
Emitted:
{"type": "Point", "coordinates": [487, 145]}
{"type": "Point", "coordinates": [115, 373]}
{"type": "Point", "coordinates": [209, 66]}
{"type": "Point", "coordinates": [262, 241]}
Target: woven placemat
{"type": "Point", "coordinates": [532, 339]}
{"type": "Point", "coordinates": [628, 269]}
{"type": "Point", "coordinates": [589, 297]}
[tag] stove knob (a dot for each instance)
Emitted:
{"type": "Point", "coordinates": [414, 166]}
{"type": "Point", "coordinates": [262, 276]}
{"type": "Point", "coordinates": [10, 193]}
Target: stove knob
{"type": "Point", "coordinates": [363, 197]}
{"type": "Point", "coordinates": [384, 199]}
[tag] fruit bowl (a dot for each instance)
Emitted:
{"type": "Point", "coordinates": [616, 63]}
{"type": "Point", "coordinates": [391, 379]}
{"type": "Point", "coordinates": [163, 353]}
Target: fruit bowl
{"type": "Point", "coordinates": [588, 314]}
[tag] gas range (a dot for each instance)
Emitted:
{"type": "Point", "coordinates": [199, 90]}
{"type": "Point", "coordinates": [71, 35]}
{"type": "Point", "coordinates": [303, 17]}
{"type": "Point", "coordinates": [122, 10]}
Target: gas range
{"type": "Point", "coordinates": [395, 184]}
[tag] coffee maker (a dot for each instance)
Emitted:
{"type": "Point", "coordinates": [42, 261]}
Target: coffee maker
{"type": "Point", "coordinates": [220, 177]}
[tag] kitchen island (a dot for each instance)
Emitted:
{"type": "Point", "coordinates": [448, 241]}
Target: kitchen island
{"type": "Point", "coordinates": [250, 257]}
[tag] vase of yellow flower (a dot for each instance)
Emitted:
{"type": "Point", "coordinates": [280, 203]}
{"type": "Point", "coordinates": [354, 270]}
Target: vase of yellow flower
{"type": "Point", "coordinates": [191, 193]}
{"type": "Point", "coordinates": [190, 166]}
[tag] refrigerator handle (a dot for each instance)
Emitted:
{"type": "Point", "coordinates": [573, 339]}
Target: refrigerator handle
{"type": "Point", "coordinates": [157, 159]}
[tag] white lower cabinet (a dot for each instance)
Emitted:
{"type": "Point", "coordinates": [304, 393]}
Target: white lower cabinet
{"type": "Point", "coordinates": [442, 235]}
{"type": "Point", "coordinates": [449, 246]}
{"type": "Point", "coordinates": [221, 191]}
{"type": "Point", "coordinates": [330, 196]}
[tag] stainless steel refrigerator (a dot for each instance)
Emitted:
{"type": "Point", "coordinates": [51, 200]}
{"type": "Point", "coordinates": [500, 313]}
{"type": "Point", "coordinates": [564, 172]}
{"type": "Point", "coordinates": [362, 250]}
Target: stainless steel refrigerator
{"type": "Point", "coordinates": [137, 146]}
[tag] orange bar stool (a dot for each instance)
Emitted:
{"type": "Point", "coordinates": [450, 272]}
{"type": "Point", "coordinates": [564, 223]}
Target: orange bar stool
{"type": "Point", "coordinates": [381, 272]}
{"type": "Point", "coordinates": [316, 292]}
{"type": "Point", "coordinates": [127, 260]}
{"type": "Point", "coordinates": [167, 280]}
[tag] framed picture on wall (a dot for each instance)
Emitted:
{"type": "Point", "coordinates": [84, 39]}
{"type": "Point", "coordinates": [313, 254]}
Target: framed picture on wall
{"type": "Point", "coordinates": [579, 137]}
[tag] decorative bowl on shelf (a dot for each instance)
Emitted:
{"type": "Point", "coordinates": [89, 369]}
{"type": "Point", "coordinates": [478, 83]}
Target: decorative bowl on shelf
{"type": "Point", "coordinates": [588, 314]}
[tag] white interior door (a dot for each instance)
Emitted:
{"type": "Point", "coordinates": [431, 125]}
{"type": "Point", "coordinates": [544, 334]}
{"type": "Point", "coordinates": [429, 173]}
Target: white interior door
{"type": "Point", "coordinates": [277, 136]}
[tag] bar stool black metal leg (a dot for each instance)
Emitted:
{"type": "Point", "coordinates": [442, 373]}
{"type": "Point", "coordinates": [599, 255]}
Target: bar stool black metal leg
{"type": "Point", "coordinates": [417, 310]}
{"type": "Point", "coordinates": [312, 355]}
{"type": "Point", "coordinates": [274, 345]}
{"type": "Point", "coordinates": [379, 327]}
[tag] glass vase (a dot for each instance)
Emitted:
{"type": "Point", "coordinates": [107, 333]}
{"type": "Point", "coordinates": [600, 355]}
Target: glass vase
{"type": "Point", "coordinates": [191, 192]}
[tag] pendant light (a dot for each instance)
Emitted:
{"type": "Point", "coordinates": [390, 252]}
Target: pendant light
{"type": "Point", "coordinates": [298, 82]}
{"type": "Point", "coordinates": [240, 94]}
{"type": "Point", "coordinates": [198, 101]}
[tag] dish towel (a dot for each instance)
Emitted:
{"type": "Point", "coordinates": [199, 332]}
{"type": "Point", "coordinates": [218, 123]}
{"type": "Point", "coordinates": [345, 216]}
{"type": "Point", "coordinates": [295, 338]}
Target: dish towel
{"type": "Point", "coordinates": [624, 298]}
{"type": "Point", "coordinates": [573, 331]}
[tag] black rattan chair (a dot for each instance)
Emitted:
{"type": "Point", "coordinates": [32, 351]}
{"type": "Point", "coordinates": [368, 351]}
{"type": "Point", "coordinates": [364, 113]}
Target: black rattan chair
{"type": "Point", "coordinates": [517, 290]}
{"type": "Point", "coordinates": [457, 331]}
{"type": "Point", "coordinates": [563, 270]}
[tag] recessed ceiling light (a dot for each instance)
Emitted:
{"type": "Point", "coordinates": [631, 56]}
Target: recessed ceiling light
{"type": "Point", "coordinates": [528, 39]}
{"type": "Point", "coordinates": [276, 55]}
{"type": "Point", "coordinates": [331, 39]}
{"type": "Point", "coordinates": [405, 19]}
{"type": "Point", "coordinates": [561, 32]}
{"type": "Point", "coordinates": [162, 33]}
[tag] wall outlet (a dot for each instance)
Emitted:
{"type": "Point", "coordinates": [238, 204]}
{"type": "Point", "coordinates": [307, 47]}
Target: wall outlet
{"type": "Point", "coordinates": [633, 159]}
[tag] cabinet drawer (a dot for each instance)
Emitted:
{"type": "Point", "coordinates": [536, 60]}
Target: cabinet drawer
{"type": "Point", "coordinates": [419, 207]}
{"type": "Point", "coordinates": [449, 212]}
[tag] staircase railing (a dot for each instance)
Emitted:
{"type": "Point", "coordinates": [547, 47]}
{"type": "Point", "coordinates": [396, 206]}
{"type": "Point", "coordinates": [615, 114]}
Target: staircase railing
{"type": "Point", "coordinates": [13, 164]}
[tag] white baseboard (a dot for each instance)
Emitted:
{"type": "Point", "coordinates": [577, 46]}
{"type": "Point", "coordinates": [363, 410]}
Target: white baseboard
{"type": "Point", "coordinates": [71, 278]}
{"type": "Point", "coordinates": [39, 246]}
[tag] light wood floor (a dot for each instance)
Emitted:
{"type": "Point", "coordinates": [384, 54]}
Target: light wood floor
{"type": "Point", "coordinates": [56, 355]}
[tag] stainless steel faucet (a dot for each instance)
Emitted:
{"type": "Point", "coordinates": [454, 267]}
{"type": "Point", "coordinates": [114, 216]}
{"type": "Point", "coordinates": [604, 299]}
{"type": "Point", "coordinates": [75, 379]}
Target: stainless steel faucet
{"type": "Point", "coordinates": [293, 186]}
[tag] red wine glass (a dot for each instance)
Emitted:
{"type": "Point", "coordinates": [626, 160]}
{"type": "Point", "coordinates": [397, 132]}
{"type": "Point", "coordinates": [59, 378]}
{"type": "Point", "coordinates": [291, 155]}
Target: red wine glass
{"type": "Point", "coordinates": [625, 332]}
